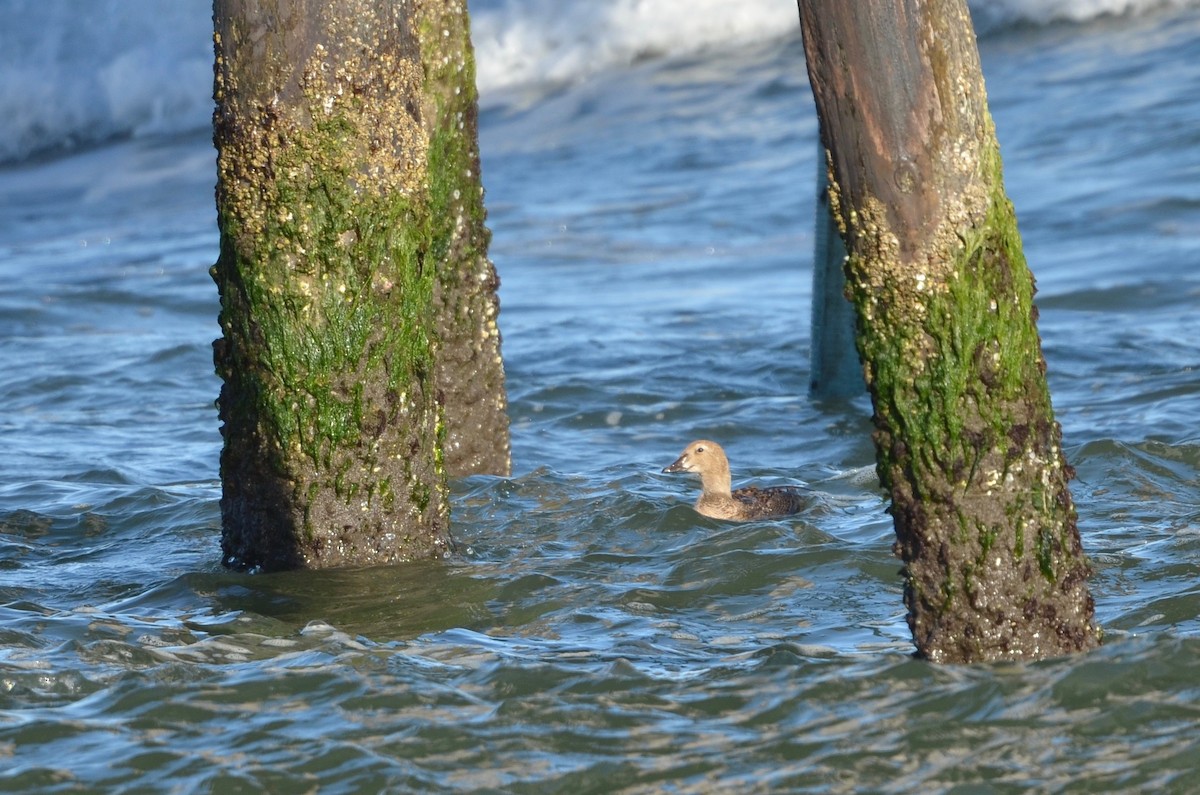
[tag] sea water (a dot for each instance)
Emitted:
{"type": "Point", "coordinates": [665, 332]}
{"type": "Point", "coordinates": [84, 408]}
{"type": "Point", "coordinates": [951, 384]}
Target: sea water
{"type": "Point", "coordinates": [650, 175]}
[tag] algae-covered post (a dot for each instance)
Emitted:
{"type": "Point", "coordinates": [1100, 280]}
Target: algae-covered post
{"type": "Point", "coordinates": [470, 372]}
{"type": "Point", "coordinates": [359, 350]}
{"type": "Point", "coordinates": [966, 440]}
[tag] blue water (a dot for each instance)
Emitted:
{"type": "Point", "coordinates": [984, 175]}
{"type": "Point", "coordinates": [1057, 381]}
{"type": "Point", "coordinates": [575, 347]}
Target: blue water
{"type": "Point", "coordinates": [650, 187]}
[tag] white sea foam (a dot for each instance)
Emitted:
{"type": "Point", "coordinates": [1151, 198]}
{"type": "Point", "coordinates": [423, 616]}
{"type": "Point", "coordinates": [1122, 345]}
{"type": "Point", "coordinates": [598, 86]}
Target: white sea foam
{"type": "Point", "coordinates": [534, 41]}
{"type": "Point", "coordinates": [522, 42]}
{"type": "Point", "coordinates": [79, 72]}
{"type": "Point", "coordinates": [75, 73]}
{"type": "Point", "coordinates": [989, 15]}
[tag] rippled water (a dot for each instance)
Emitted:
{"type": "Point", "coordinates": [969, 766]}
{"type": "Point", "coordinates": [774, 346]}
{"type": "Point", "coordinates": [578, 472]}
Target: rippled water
{"type": "Point", "coordinates": [653, 233]}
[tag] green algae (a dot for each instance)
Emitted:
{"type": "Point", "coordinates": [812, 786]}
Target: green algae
{"type": "Point", "coordinates": [973, 344]}
{"type": "Point", "coordinates": [335, 211]}
{"type": "Point", "coordinates": [340, 288]}
{"type": "Point", "coordinates": [967, 444]}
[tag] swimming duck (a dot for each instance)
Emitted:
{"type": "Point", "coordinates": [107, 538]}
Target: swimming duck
{"type": "Point", "coordinates": [708, 459]}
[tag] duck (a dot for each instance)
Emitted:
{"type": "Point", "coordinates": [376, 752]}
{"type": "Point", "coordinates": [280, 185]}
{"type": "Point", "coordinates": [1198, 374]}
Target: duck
{"type": "Point", "coordinates": [717, 501]}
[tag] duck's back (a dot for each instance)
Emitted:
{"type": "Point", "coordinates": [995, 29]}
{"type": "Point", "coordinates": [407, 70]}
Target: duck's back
{"type": "Point", "coordinates": [762, 503]}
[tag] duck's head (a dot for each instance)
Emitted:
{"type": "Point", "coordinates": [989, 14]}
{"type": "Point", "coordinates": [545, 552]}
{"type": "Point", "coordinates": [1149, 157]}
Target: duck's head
{"type": "Point", "coordinates": [701, 456]}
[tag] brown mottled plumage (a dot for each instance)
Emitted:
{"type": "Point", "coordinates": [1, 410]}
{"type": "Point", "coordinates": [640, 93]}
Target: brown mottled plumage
{"type": "Point", "coordinates": [708, 459]}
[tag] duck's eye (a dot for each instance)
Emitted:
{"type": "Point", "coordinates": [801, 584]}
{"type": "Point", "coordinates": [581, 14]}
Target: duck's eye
{"type": "Point", "coordinates": [700, 449]}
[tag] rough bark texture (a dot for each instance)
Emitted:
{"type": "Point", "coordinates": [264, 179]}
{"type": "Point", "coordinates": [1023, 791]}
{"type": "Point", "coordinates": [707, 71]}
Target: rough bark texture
{"type": "Point", "coordinates": [965, 435]}
{"type": "Point", "coordinates": [343, 208]}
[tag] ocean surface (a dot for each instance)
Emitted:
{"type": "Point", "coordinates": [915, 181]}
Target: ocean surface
{"type": "Point", "coordinates": [650, 172]}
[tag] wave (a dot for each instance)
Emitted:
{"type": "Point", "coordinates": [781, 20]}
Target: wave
{"type": "Point", "coordinates": [83, 72]}
{"type": "Point", "coordinates": [524, 42]}
{"type": "Point", "coordinates": [77, 73]}
{"type": "Point", "coordinates": [533, 42]}
{"type": "Point", "coordinates": [990, 16]}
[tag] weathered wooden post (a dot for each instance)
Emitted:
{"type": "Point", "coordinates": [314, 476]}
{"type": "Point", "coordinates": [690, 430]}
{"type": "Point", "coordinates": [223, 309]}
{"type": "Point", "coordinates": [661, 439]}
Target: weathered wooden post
{"type": "Point", "coordinates": [470, 372]}
{"type": "Point", "coordinates": [966, 440]}
{"type": "Point", "coordinates": [357, 303]}
{"type": "Point", "coordinates": [836, 372]}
